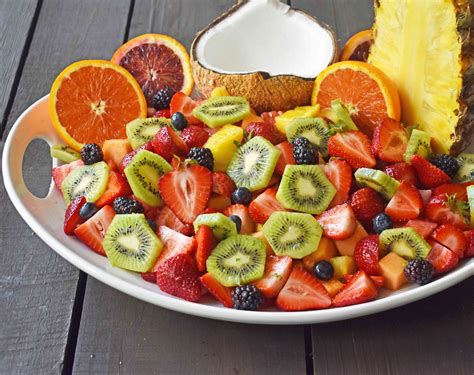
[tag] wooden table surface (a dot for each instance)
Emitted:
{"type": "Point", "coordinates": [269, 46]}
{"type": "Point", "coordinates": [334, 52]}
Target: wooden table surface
{"type": "Point", "coordinates": [56, 319]}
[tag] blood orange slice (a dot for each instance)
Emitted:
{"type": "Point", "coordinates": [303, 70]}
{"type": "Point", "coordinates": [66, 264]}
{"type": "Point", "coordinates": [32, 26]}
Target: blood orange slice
{"type": "Point", "coordinates": [92, 101]}
{"type": "Point", "coordinates": [156, 61]}
{"type": "Point", "coordinates": [358, 46]}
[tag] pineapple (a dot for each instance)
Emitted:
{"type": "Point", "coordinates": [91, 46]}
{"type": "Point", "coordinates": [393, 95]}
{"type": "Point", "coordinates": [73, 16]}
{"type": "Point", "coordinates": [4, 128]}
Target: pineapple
{"type": "Point", "coordinates": [223, 144]}
{"type": "Point", "coordinates": [425, 47]}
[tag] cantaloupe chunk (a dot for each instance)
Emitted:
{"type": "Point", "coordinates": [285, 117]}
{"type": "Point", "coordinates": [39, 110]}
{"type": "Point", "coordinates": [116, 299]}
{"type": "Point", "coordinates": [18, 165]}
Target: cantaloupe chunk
{"type": "Point", "coordinates": [333, 286]}
{"type": "Point", "coordinates": [252, 117]}
{"type": "Point", "coordinates": [347, 246]}
{"type": "Point", "coordinates": [325, 251]}
{"type": "Point", "coordinates": [391, 267]}
{"type": "Point", "coordinates": [260, 236]}
{"type": "Point", "coordinates": [218, 202]}
{"type": "Point", "coordinates": [343, 265]}
{"type": "Point", "coordinates": [115, 150]}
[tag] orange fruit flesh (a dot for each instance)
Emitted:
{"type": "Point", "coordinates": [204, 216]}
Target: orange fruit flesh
{"type": "Point", "coordinates": [358, 46]}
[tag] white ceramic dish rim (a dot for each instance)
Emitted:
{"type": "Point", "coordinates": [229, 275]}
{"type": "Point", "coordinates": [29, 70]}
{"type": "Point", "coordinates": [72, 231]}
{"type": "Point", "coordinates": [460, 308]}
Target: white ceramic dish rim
{"type": "Point", "coordinates": [30, 208]}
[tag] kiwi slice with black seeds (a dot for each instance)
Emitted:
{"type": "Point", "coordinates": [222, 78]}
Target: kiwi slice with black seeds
{"type": "Point", "coordinates": [221, 225]}
{"type": "Point", "coordinates": [222, 110]}
{"type": "Point", "coordinates": [315, 130]}
{"type": "Point", "coordinates": [64, 153]}
{"type": "Point", "coordinates": [142, 130]}
{"type": "Point", "coordinates": [305, 188]}
{"type": "Point", "coordinates": [253, 163]}
{"type": "Point", "coordinates": [237, 260]}
{"type": "Point", "coordinates": [377, 180]}
{"type": "Point", "coordinates": [293, 234]}
{"type": "Point", "coordinates": [466, 168]}
{"type": "Point", "coordinates": [131, 244]}
{"type": "Point", "coordinates": [405, 242]}
{"type": "Point", "coordinates": [89, 181]}
{"type": "Point", "coordinates": [143, 174]}
{"type": "Point", "coordinates": [418, 144]}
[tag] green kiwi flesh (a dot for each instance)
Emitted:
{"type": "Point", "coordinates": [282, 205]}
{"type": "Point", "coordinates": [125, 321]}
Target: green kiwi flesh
{"type": "Point", "coordinates": [470, 198]}
{"type": "Point", "coordinates": [237, 260]}
{"type": "Point", "coordinates": [142, 130]}
{"type": "Point", "coordinates": [341, 113]}
{"type": "Point", "coordinates": [64, 153]}
{"type": "Point", "coordinates": [418, 144]}
{"type": "Point", "coordinates": [315, 130]}
{"type": "Point", "coordinates": [143, 174]}
{"type": "Point", "coordinates": [253, 163]}
{"type": "Point", "coordinates": [466, 168]}
{"type": "Point", "coordinates": [222, 110]}
{"type": "Point", "coordinates": [293, 234]}
{"type": "Point", "coordinates": [305, 188]}
{"type": "Point", "coordinates": [377, 180]}
{"type": "Point", "coordinates": [131, 244]}
{"type": "Point", "coordinates": [221, 225]}
{"type": "Point", "coordinates": [89, 181]}
{"type": "Point", "coordinates": [405, 242]}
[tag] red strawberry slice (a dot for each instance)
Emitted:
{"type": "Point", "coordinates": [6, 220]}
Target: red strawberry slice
{"type": "Point", "coordinates": [186, 191]}
{"type": "Point", "coordinates": [270, 116]}
{"type": "Point", "coordinates": [389, 141]}
{"type": "Point", "coordinates": [116, 186]}
{"type": "Point", "coordinates": [248, 225]}
{"type": "Point", "coordinates": [166, 113]}
{"type": "Point", "coordinates": [359, 289]}
{"type": "Point", "coordinates": [277, 271]}
{"type": "Point", "coordinates": [167, 143]}
{"type": "Point", "coordinates": [469, 244]}
{"type": "Point", "coordinates": [302, 291]}
{"type": "Point", "coordinates": [354, 147]}
{"type": "Point", "coordinates": [179, 277]}
{"type": "Point", "coordinates": [60, 173]}
{"type": "Point", "coordinates": [378, 280]}
{"type": "Point", "coordinates": [406, 204]}
{"type": "Point", "coordinates": [451, 237]}
{"type": "Point", "coordinates": [128, 158]}
{"type": "Point", "coordinates": [367, 253]}
{"type": "Point", "coordinates": [286, 157]}
{"type": "Point", "coordinates": [92, 232]}
{"type": "Point", "coordinates": [339, 173]}
{"type": "Point", "coordinates": [194, 136]}
{"type": "Point", "coordinates": [167, 218]}
{"type": "Point", "coordinates": [459, 190]}
{"type": "Point", "coordinates": [149, 276]}
{"type": "Point", "coordinates": [266, 130]}
{"type": "Point", "coordinates": [445, 209]}
{"type": "Point", "coordinates": [402, 172]}
{"type": "Point", "coordinates": [222, 184]}
{"type": "Point", "coordinates": [442, 259]}
{"type": "Point", "coordinates": [429, 175]}
{"type": "Point", "coordinates": [205, 243]}
{"type": "Point", "coordinates": [339, 222]}
{"type": "Point", "coordinates": [422, 227]}
{"type": "Point", "coordinates": [366, 203]}
{"type": "Point", "coordinates": [173, 243]}
{"type": "Point", "coordinates": [71, 217]}
{"type": "Point", "coordinates": [184, 104]}
{"type": "Point", "coordinates": [220, 292]}
{"type": "Point", "coordinates": [264, 205]}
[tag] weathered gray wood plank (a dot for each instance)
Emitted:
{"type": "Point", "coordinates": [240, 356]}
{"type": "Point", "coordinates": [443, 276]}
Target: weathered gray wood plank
{"type": "Point", "coordinates": [37, 287]}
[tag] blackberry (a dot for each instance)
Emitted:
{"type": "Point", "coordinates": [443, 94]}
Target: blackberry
{"type": "Point", "coordinates": [162, 98]}
{"type": "Point", "coordinates": [419, 271]}
{"type": "Point", "coordinates": [124, 205]}
{"type": "Point", "coordinates": [447, 163]}
{"type": "Point", "coordinates": [241, 195]}
{"type": "Point", "coordinates": [88, 210]}
{"type": "Point", "coordinates": [323, 270]}
{"type": "Point", "coordinates": [203, 156]}
{"type": "Point", "coordinates": [178, 121]}
{"type": "Point", "coordinates": [381, 222]}
{"type": "Point", "coordinates": [237, 220]}
{"type": "Point", "coordinates": [91, 153]}
{"type": "Point", "coordinates": [304, 152]}
{"type": "Point", "coordinates": [247, 297]}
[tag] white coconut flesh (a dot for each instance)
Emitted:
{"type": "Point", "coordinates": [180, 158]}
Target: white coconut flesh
{"type": "Point", "coordinates": [266, 36]}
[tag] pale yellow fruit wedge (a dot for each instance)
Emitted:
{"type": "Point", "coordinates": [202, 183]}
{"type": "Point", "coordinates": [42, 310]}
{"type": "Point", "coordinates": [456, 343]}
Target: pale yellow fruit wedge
{"type": "Point", "coordinates": [299, 112]}
{"type": "Point", "coordinates": [223, 145]}
{"type": "Point", "coordinates": [219, 91]}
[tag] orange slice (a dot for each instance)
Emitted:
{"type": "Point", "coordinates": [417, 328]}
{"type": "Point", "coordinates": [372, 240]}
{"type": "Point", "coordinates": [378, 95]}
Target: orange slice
{"type": "Point", "coordinates": [365, 90]}
{"type": "Point", "coordinates": [156, 61]}
{"type": "Point", "coordinates": [92, 101]}
{"type": "Point", "coordinates": [358, 46]}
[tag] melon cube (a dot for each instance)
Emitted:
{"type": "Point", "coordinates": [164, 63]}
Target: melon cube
{"type": "Point", "coordinates": [325, 251]}
{"type": "Point", "coordinates": [223, 145]}
{"type": "Point", "coordinates": [115, 150]}
{"type": "Point", "coordinates": [391, 267]}
{"type": "Point", "coordinates": [347, 246]}
{"type": "Point", "coordinates": [218, 202]}
{"type": "Point", "coordinates": [343, 265]}
{"type": "Point", "coordinates": [332, 286]}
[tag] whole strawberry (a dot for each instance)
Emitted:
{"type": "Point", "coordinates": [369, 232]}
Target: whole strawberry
{"type": "Point", "coordinates": [194, 136]}
{"type": "Point", "coordinates": [367, 253]}
{"type": "Point", "coordinates": [366, 203]}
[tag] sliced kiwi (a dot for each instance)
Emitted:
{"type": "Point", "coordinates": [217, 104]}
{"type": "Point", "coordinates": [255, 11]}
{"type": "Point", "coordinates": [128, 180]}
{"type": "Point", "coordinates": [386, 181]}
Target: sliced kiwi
{"type": "Point", "coordinates": [377, 180]}
{"type": "Point", "coordinates": [418, 144]}
{"type": "Point", "coordinates": [131, 244]}
{"type": "Point", "coordinates": [222, 110]}
{"type": "Point", "coordinates": [315, 130]}
{"type": "Point", "coordinates": [305, 188]}
{"type": "Point", "coordinates": [406, 242]}
{"type": "Point", "coordinates": [470, 198]}
{"type": "Point", "coordinates": [89, 181]}
{"type": "Point", "coordinates": [64, 153]}
{"type": "Point", "coordinates": [237, 260]}
{"type": "Point", "coordinates": [466, 168]}
{"type": "Point", "coordinates": [293, 234]}
{"type": "Point", "coordinates": [221, 225]}
{"type": "Point", "coordinates": [143, 174]}
{"type": "Point", "coordinates": [342, 116]}
{"type": "Point", "coordinates": [253, 163]}
{"type": "Point", "coordinates": [142, 130]}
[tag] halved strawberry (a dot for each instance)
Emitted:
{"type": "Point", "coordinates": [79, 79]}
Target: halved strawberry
{"type": "Point", "coordinates": [128, 158]}
{"type": "Point", "coordinates": [167, 143]}
{"type": "Point", "coordinates": [166, 113]}
{"type": "Point", "coordinates": [402, 172]}
{"type": "Point", "coordinates": [149, 276]}
{"type": "Point", "coordinates": [444, 209]}
{"type": "Point", "coordinates": [359, 289]}
{"type": "Point", "coordinates": [366, 204]}
{"type": "Point", "coordinates": [60, 173]}
{"type": "Point", "coordinates": [248, 225]}
{"type": "Point", "coordinates": [270, 116]}
{"type": "Point", "coordinates": [116, 187]}
{"type": "Point", "coordinates": [442, 259]}
{"type": "Point", "coordinates": [469, 234]}
{"type": "Point", "coordinates": [459, 190]}
{"type": "Point", "coordinates": [222, 184]}
{"type": "Point", "coordinates": [406, 204]}
{"type": "Point", "coordinates": [429, 175]}
{"type": "Point", "coordinates": [339, 173]}
{"type": "Point", "coordinates": [354, 147]}
{"type": "Point", "coordinates": [266, 130]}
{"type": "Point", "coordinates": [286, 157]}
{"type": "Point", "coordinates": [451, 237]}
{"type": "Point", "coordinates": [167, 218]}
{"type": "Point", "coordinates": [378, 280]}
{"type": "Point", "coordinates": [367, 253]}
{"type": "Point", "coordinates": [339, 222]}
{"type": "Point", "coordinates": [277, 271]}
{"type": "Point", "coordinates": [302, 291]}
{"type": "Point", "coordinates": [205, 243]}
{"type": "Point", "coordinates": [173, 243]}
{"type": "Point", "coordinates": [184, 104]}
{"type": "Point", "coordinates": [422, 227]}
{"type": "Point", "coordinates": [92, 232]}
{"type": "Point", "coordinates": [71, 217]}
{"type": "Point", "coordinates": [389, 141]}
{"type": "Point", "coordinates": [264, 205]}
{"type": "Point", "coordinates": [186, 191]}
{"type": "Point", "coordinates": [220, 292]}
{"type": "Point", "coordinates": [194, 136]}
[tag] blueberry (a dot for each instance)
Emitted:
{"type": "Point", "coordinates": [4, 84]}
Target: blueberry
{"type": "Point", "coordinates": [152, 225]}
{"type": "Point", "coordinates": [241, 195]}
{"type": "Point", "coordinates": [237, 220]}
{"type": "Point", "coordinates": [88, 210]}
{"type": "Point", "coordinates": [323, 270]}
{"type": "Point", "coordinates": [381, 222]}
{"type": "Point", "coordinates": [178, 121]}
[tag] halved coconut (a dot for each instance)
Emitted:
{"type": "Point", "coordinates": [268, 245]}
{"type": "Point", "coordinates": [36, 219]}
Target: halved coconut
{"type": "Point", "coordinates": [263, 50]}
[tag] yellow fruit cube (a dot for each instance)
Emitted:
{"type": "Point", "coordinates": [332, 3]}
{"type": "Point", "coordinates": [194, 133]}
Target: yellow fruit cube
{"type": "Point", "coordinates": [343, 265]}
{"type": "Point", "coordinates": [223, 145]}
{"type": "Point", "coordinates": [326, 250]}
{"type": "Point", "coordinates": [299, 112]}
{"type": "Point", "coordinates": [391, 267]}
{"type": "Point", "coordinates": [219, 91]}
{"type": "Point", "coordinates": [332, 286]}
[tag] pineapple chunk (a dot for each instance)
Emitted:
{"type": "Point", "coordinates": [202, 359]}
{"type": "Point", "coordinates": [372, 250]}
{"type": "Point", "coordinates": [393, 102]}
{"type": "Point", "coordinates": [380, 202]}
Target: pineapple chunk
{"type": "Point", "coordinates": [299, 112]}
{"type": "Point", "coordinates": [391, 267]}
{"type": "Point", "coordinates": [219, 91]}
{"type": "Point", "coordinates": [223, 145]}
{"type": "Point", "coordinates": [343, 265]}
{"type": "Point", "coordinates": [325, 251]}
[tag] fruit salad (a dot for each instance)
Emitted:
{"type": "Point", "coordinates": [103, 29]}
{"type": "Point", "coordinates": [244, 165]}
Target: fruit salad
{"type": "Point", "coordinates": [311, 208]}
